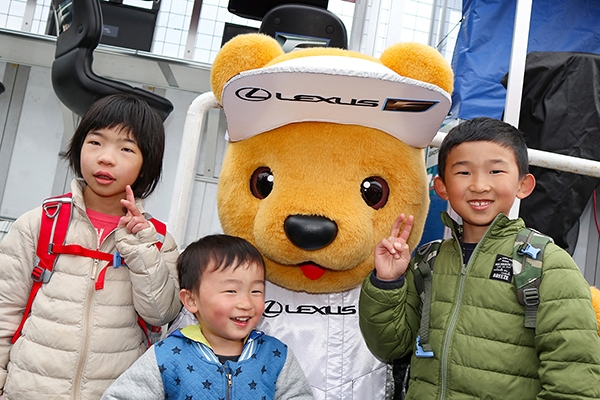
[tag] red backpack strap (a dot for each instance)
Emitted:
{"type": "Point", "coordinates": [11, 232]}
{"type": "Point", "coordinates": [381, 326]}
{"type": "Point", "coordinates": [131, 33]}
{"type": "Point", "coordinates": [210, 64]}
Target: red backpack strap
{"type": "Point", "coordinates": [115, 260]}
{"type": "Point", "coordinates": [152, 332]}
{"type": "Point", "coordinates": [161, 229]}
{"type": "Point", "coordinates": [56, 216]}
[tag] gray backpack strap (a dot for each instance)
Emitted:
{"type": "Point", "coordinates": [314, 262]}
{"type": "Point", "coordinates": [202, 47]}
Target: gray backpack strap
{"type": "Point", "coordinates": [528, 254]}
{"type": "Point", "coordinates": [423, 272]}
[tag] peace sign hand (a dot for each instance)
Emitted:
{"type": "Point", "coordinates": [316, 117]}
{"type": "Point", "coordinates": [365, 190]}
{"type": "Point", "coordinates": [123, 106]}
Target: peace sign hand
{"type": "Point", "coordinates": [133, 221]}
{"type": "Point", "coordinates": [392, 255]}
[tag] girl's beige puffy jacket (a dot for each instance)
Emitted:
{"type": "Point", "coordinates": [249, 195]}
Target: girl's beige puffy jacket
{"type": "Point", "coordinates": [77, 339]}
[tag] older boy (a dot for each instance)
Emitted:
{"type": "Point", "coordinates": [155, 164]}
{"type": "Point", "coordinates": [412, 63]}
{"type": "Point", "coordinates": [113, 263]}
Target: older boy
{"type": "Point", "coordinates": [480, 346]}
{"type": "Point", "coordinates": [222, 281]}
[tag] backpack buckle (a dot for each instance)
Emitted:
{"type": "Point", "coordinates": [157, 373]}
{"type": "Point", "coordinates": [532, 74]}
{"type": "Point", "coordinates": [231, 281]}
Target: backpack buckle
{"type": "Point", "coordinates": [420, 352]}
{"type": "Point", "coordinates": [531, 296]}
{"type": "Point", "coordinates": [117, 260]}
{"type": "Point", "coordinates": [528, 249]}
{"type": "Point", "coordinates": [40, 274]}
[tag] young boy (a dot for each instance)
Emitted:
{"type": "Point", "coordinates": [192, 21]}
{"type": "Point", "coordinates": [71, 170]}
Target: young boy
{"type": "Point", "coordinates": [481, 347]}
{"type": "Point", "coordinates": [222, 280]}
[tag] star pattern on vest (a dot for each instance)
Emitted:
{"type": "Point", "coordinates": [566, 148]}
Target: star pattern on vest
{"type": "Point", "coordinates": [159, 344]}
{"type": "Point", "coordinates": [238, 373]}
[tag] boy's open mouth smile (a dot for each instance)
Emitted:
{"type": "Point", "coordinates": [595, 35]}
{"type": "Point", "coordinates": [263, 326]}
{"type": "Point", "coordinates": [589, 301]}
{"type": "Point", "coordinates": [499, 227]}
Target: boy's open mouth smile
{"type": "Point", "coordinates": [241, 320]}
{"type": "Point", "coordinates": [480, 204]}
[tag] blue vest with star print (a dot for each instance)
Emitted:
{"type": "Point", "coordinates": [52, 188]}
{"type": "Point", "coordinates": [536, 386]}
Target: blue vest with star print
{"type": "Point", "coordinates": [188, 374]}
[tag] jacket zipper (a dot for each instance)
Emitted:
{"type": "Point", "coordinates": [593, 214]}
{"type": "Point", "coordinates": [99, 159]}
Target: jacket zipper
{"type": "Point", "coordinates": [461, 287]}
{"type": "Point", "coordinates": [86, 322]}
{"type": "Point", "coordinates": [229, 383]}
{"type": "Point", "coordinates": [86, 336]}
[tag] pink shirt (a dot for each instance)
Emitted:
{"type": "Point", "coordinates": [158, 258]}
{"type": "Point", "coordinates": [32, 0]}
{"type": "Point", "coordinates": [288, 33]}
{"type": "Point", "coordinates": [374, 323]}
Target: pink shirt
{"type": "Point", "coordinates": [104, 224]}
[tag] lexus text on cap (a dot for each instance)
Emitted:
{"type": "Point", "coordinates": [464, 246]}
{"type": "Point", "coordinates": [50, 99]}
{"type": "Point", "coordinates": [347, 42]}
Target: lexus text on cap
{"type": "Point", "coordinates": [337, 89]}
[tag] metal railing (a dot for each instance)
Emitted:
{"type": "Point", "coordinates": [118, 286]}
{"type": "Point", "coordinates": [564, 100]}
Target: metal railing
{"type": "Point", "coordinates": [192, 133]}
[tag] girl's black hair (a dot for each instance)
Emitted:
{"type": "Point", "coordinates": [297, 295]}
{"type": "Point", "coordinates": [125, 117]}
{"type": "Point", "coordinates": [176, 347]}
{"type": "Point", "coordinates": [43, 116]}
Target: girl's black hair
{"type": "Point", "coordinates": [215, 251]}
{"type": "Point", "coordinates": [488, 130]}
{"type": "Point", "coordinates": [131, 114]}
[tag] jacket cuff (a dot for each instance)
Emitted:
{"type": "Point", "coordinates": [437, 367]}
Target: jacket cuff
{"type": "Point", "coordinates": [386, 285]}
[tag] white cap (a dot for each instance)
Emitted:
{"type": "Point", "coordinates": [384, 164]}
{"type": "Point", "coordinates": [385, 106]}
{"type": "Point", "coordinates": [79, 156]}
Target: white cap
{"type": "Point", "coordinates": [337, 89]}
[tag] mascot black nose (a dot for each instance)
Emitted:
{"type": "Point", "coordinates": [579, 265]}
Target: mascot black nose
{"type": "Point", "coordinates": [309, 232]}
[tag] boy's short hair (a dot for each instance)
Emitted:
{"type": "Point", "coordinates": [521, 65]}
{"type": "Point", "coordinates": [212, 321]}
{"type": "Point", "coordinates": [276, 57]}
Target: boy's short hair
{"type": "Point", "coordinates": [129, 113]}
{"type": "Point", "coordinates": [488, 130]}
{"type": "Point", "coordinates": [217, 251]}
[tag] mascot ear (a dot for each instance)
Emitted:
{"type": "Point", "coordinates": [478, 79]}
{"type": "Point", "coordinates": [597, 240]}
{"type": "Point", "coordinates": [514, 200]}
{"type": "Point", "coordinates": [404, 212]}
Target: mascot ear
{"type": "Point", "coordinates": [420, 62]}
{"type": "Point", "coordinates": [242, 53]}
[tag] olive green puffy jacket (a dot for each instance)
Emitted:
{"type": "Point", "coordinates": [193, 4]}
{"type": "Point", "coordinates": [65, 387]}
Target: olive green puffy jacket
{"type": "Point", "coordinates": [482, 349]}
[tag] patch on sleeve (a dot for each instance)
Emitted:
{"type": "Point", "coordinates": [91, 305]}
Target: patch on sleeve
{"type": "Point", "coordinates": [503, 269]}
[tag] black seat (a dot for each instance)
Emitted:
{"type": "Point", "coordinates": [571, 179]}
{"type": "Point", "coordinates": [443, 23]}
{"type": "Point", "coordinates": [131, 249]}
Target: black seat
{"type": "Point", "coordinates": [298, 25]}
{"type": "Point", "coordinates": [79, 26]}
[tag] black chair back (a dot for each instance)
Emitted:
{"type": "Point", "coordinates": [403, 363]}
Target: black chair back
{"type": "Point", "coordinates": [79, 26]}
{"type": "Point", "coordinates": [298, 25]}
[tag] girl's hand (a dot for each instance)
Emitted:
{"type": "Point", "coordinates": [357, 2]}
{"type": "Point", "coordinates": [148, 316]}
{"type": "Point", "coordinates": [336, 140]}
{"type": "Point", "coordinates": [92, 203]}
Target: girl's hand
{"type": "Point", "coordinates": [392, 255]}
{"type": "Point", "coordinates": [133, 221]}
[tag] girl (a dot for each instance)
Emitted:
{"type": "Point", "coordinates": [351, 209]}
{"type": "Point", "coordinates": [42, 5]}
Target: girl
{"type": "Point", "coordinates": [81, 334]}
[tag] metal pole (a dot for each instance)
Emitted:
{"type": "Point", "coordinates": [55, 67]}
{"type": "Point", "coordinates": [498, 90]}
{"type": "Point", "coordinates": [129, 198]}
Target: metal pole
{"type": "Point", "coordinates": [358, 25]}
{"type": "Point", "coordinates": [190, 43]}
{"type": "Point", "coordinates": [516, 70]}
{"type": "Point", "coordinates": [546, 159]}
{"type": "Point", "coordinates": [432, 29]}
{"type": "Point", "coordinates": [186, 165]}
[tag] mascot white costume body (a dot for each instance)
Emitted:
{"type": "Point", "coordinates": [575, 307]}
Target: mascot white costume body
{"type": "Point", "coordinates": [326, 149]}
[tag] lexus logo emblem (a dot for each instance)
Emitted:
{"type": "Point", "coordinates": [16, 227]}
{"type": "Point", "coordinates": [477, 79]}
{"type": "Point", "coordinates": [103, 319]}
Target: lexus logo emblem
{"type": "Point", "coordinates": [272, 308]}
{"type": "Point", "coordinates": [253, 94]}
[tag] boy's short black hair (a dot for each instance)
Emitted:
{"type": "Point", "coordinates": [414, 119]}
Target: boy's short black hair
{"type": "Point", "coordinates": [488, 130]}
{"type": "Point", "coordinates": [145, 125]}
{"type": "Point", "coordinates": [218, 252]}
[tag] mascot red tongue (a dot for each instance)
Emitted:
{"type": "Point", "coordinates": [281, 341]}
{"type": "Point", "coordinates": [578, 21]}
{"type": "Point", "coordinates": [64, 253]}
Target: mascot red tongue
{"type": "Point", "coordinates": [325, 150]}
{"type": "Point", "coordinates": [312, 271]}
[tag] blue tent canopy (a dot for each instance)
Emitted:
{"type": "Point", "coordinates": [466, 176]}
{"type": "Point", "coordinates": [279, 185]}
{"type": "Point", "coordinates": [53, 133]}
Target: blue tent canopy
{"type": "Point", "coordinates": [482, 53]}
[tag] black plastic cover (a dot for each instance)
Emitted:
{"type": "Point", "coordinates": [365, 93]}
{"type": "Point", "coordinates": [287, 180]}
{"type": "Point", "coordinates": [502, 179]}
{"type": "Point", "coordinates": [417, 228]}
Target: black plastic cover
{"type": "Point", "coordinates": [560, 113]}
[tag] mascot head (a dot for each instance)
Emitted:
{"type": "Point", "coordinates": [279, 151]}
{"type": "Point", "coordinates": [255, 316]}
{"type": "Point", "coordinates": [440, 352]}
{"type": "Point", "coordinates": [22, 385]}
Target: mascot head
{"type": "Point", "coordinates": [326, 150]}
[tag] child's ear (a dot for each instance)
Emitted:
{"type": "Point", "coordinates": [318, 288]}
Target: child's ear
{"type": "Point", "coordinates": [526, 186]}
{"type": "Point", "coordinates": [188, 300]}
{"type": "Point", "coordinates": [440, 188]}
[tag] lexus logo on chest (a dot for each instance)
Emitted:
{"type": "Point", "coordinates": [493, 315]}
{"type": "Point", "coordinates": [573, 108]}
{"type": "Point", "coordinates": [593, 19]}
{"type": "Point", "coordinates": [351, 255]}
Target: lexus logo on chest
{"type": "Point", "coordinates": [274, 309]}
{"type": "Point", "coordinates": [253, 94]}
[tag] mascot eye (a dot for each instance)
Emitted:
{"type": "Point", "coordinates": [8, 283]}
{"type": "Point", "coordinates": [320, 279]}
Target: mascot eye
{"type": "Point", "coordinates": [375, 192]}
{"type": "Point", "coordinates": [261, 182]}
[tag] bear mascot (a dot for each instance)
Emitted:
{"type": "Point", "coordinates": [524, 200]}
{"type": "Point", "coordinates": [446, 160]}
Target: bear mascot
{"type": "Point", "coordinates": [325, 151]}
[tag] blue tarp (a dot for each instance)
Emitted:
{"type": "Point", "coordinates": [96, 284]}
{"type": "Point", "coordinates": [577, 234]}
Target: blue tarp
{"type": "Point", "coordinates": [482, 53]}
